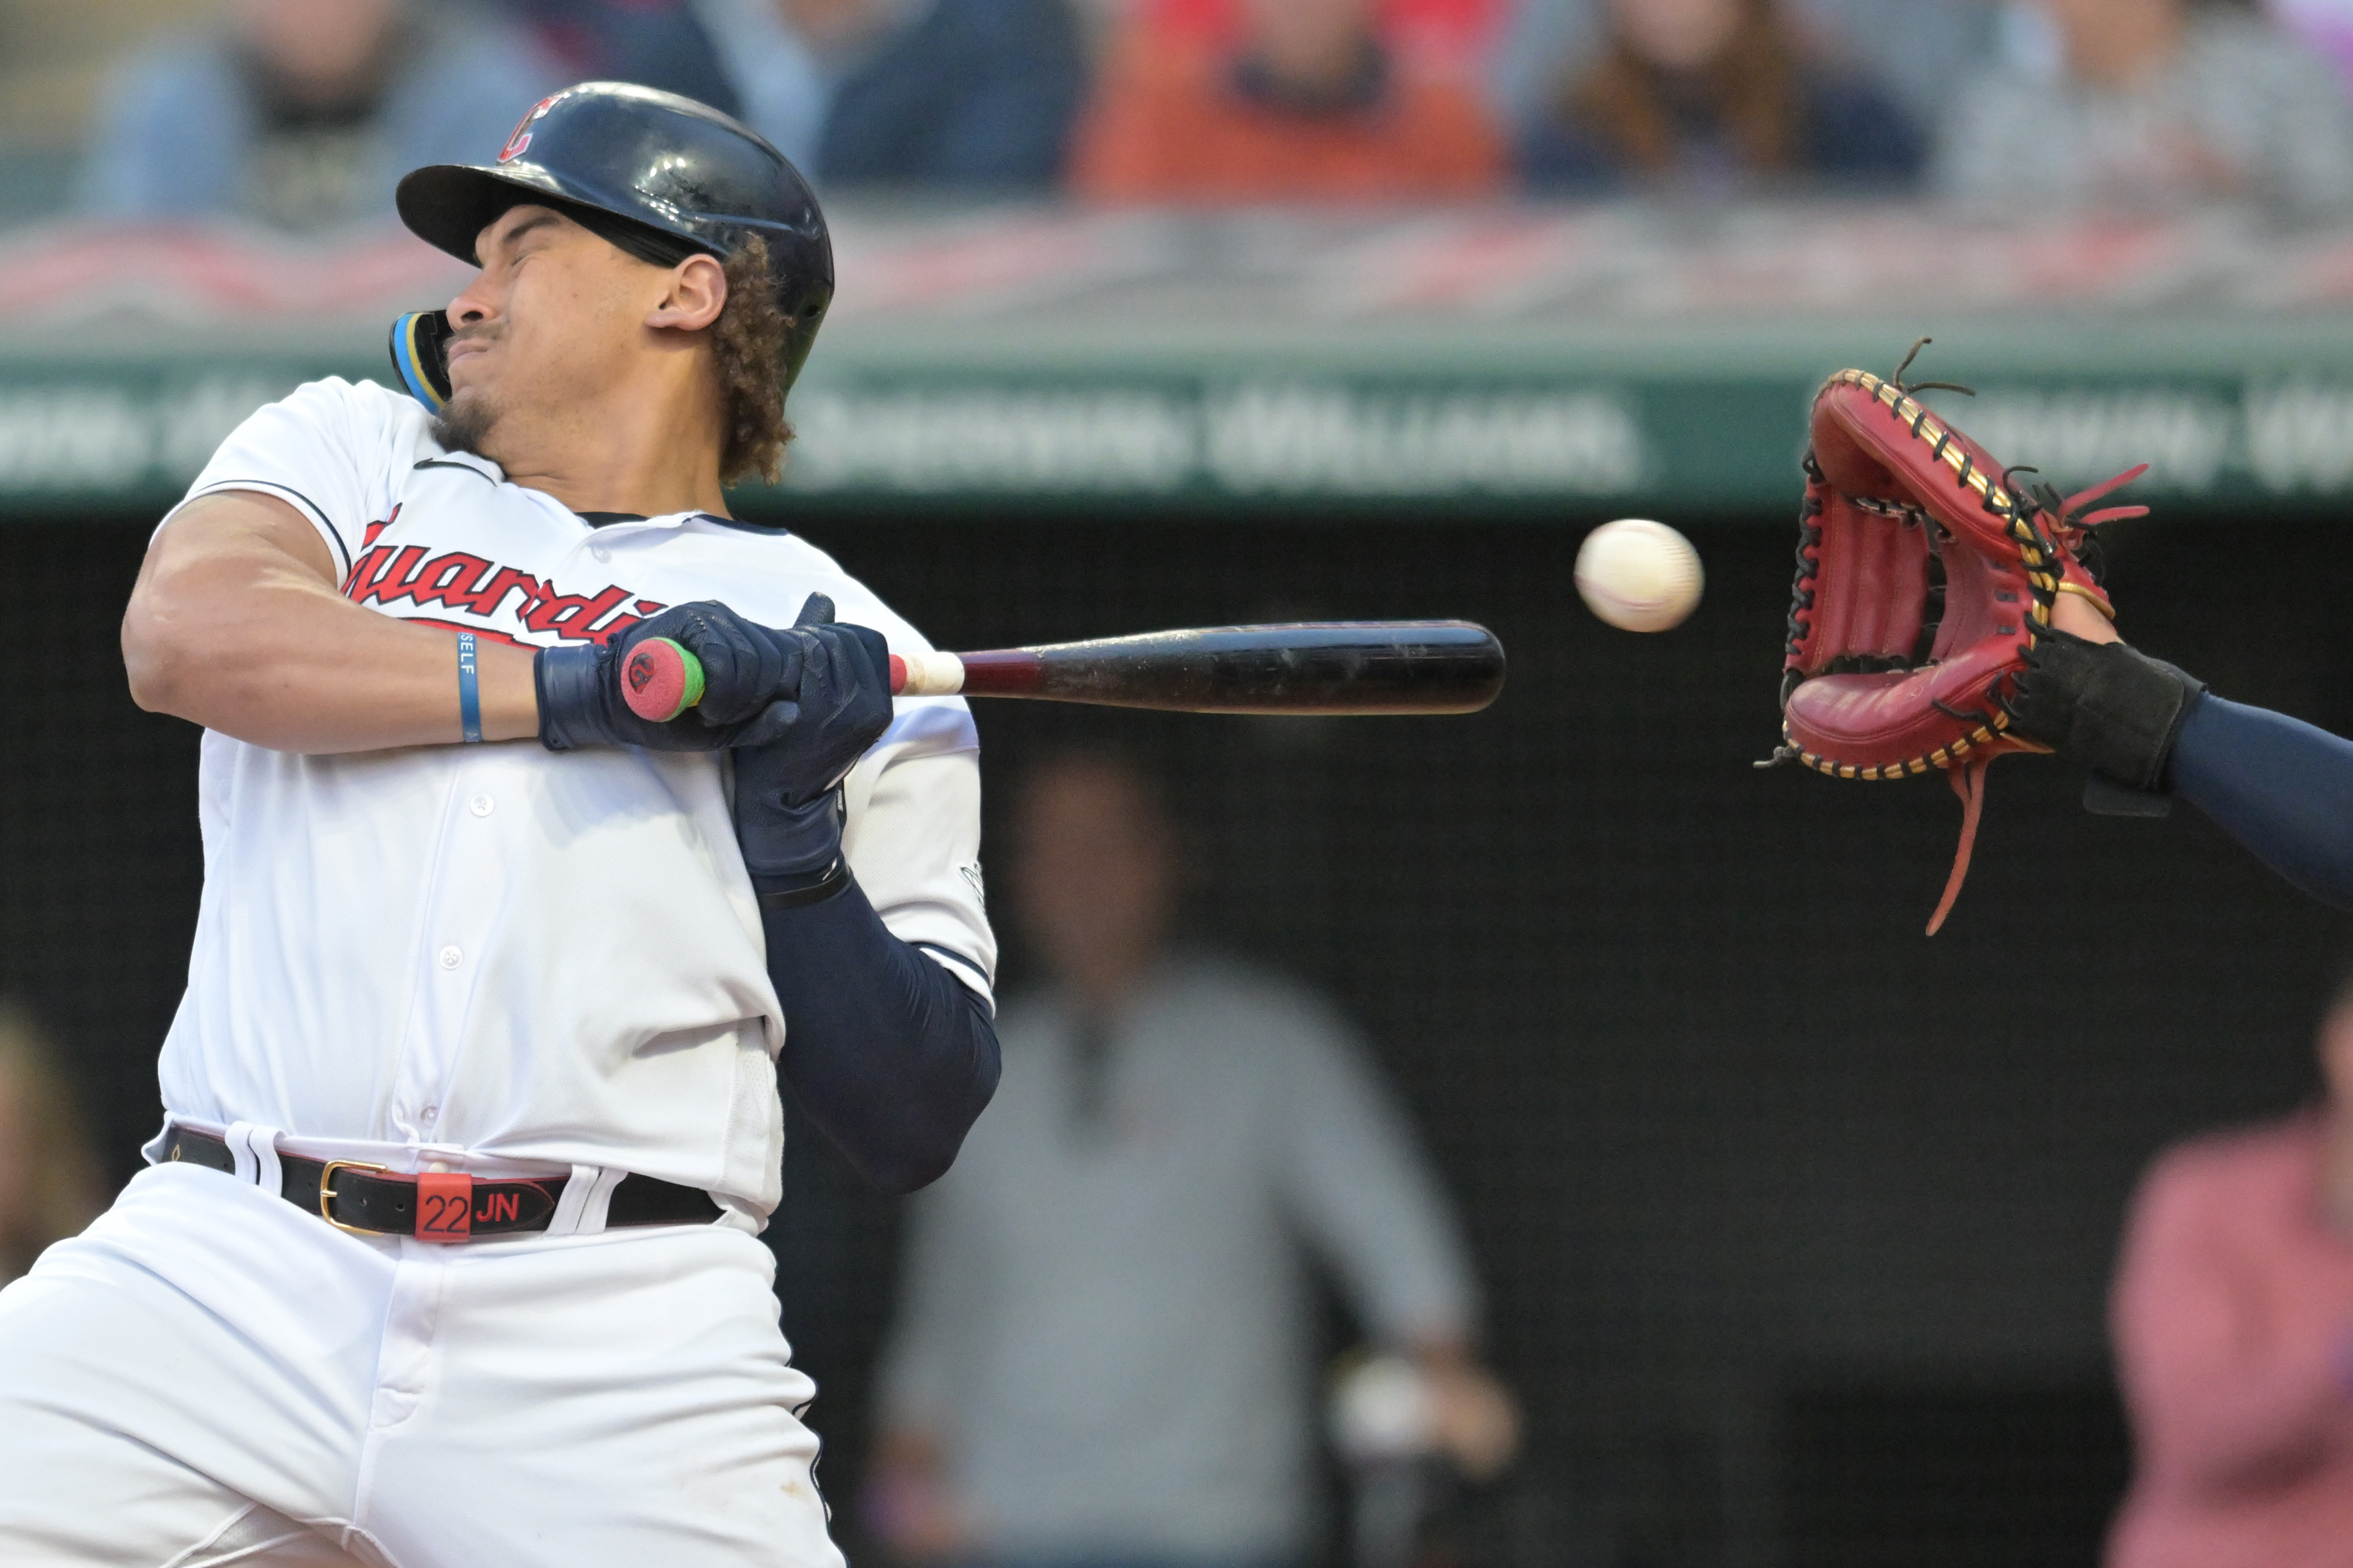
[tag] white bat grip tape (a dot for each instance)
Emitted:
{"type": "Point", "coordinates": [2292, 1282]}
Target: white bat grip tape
{"type": "Point", "coordinates": [932, 674]}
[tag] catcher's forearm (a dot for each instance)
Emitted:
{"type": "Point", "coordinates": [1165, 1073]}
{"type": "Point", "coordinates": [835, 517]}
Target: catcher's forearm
{"type": "Point", "coordinates": [2281, 787]}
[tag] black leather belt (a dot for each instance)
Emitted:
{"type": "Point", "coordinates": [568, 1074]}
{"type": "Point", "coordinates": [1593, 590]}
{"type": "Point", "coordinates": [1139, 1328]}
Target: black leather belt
{"type": "Point", "coordinates": [433, 1206]}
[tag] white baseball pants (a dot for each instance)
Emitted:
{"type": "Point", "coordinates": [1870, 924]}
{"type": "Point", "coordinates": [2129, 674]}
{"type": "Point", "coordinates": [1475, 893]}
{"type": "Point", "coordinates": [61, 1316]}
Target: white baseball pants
{"type": "Point", "coordinates": [210, 1376]}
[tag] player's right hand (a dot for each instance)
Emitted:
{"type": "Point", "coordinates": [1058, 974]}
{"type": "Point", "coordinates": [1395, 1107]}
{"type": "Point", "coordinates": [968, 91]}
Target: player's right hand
{"type": "Point", "coordinates": [750, 676]}
{"type": "Point", "coordinates": [788, 815]}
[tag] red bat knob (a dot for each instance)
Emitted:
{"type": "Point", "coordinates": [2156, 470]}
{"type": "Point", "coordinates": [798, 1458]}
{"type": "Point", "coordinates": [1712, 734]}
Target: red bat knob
{"type": "Point", "coordinates": [662, 679]}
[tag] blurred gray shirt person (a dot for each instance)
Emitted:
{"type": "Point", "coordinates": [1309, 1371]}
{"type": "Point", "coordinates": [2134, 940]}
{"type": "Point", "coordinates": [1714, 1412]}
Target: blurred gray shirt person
{"type": "Point", "coordinates": [1105, 1348]}
{"type": "Point", "coordinates": [2141, 102]}
{"type": "Point", "coordinates": [302, 114]}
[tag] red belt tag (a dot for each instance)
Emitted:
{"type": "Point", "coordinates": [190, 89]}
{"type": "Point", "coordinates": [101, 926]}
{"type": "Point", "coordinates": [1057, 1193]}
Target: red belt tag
{"type": "Point", "coordinates": [445, 1207]}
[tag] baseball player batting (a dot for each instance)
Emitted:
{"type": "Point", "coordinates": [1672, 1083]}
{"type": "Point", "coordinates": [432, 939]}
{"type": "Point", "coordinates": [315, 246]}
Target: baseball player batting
{"type": "Point", "coordinates": [446, 1255]}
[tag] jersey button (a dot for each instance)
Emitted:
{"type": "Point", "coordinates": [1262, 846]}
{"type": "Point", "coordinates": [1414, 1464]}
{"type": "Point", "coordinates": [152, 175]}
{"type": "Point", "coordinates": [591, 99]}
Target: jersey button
{"type": "Point", "coordinates": [601, 554]}
{"type": "Point", "coordinates": [451, 957]}
{"type": "Point", "coordinates": [481, 806]}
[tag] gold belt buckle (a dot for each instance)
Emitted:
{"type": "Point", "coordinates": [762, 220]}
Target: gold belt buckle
{"type": "Point", "coordinates": [327, 1195]}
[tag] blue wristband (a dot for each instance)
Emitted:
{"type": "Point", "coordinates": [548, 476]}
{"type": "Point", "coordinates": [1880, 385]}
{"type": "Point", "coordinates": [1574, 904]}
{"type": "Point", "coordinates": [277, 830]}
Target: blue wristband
{"type": "Point", "coordinates": [469, 691]}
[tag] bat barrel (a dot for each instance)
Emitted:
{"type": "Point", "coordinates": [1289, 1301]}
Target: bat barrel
{"type": "Point", "coordinates": [1334, 666]}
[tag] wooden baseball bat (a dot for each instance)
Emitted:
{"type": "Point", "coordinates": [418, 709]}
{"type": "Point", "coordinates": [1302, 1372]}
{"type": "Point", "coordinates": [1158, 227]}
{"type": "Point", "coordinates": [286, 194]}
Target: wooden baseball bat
{"type": "Point", "coordinates": [1315, 666]}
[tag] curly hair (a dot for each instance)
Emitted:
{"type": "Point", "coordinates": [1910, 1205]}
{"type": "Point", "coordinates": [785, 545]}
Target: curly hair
{"type": "Point", "coordinates": [748, 345]}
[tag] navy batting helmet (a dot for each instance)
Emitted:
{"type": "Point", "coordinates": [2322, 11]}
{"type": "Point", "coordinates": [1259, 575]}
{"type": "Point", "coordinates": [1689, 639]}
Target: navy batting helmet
{"type": "Point", "coordinates": [661, 176]}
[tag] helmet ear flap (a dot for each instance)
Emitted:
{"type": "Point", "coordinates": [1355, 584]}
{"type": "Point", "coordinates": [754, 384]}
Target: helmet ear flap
{"type": "Point", "coordinates": [420, 356]}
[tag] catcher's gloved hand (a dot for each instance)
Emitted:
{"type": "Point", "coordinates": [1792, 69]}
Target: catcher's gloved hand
{"type": "Point", "coordinates": [789, 809]}
{"type": "Point", "coordinates": [1926, 582]}
{"type": "Point", "coordinates": [2106, 705]}
{"type": "Point", "coordinates": [746, 667]}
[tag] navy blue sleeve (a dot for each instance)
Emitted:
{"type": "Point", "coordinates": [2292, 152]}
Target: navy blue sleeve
{"type": "Point", "coordinates": [2278, 785]}
{"type": "Point", "coordinates": [893, 1057]}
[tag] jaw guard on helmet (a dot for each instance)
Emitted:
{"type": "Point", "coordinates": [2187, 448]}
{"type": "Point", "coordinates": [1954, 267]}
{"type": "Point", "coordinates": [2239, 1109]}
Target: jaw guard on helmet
{"type": "Point", "coordinates": [420, 357]}
{"type": "Point", "coordinates": [662, 176]}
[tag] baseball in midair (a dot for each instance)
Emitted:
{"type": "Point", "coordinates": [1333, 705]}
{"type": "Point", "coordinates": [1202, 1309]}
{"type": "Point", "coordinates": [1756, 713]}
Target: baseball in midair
{"type": "Point", "coordinates": [1639, 575]}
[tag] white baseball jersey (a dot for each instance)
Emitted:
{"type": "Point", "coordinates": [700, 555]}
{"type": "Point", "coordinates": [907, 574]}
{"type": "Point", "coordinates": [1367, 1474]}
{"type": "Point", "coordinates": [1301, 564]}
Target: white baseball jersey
{"type": "Point", "coordinates": [493, 953]}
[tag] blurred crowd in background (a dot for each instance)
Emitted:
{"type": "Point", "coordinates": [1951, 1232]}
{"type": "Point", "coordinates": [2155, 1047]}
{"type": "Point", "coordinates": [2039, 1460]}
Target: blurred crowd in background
{"type": "Point", "coordinates": [1103, 1351]}
{"type": "Point", "coordinates": [301, 113]}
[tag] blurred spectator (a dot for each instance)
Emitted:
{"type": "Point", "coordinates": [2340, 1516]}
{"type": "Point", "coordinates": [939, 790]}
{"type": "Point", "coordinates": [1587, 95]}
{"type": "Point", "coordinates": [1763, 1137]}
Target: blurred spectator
{"type": "Point", "coordinates": [654, 43]}
{"type": "Point", "coordinates": [1104, 1350]}
{"type": "Point", "coordinates": [1919, 51]}
{"type": "Point", "coordinates": [2233, 1319]}
{"type": "Point", "coordinates": [49, 1186]}
{"type": "Point", "coordinates": [2149, 101]}
{"type": "Point", "coordinates": [1309, 101]}
{"type": "Point", "coordinates": [781, 89]}
{"type": "Point", "coordinates": [1440, 31]}
{"type": "Point", "coordinates": [2325, 25]}
{"type": "Point", "coordinates": [304, 113]}
{"type": "Point", "coordinates": [964, 94]}
{"type": "Point", "coordinates": [1715, 96]}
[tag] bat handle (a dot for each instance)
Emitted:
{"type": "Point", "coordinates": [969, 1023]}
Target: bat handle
{"type": "Point", "coordinates": [663, 679]}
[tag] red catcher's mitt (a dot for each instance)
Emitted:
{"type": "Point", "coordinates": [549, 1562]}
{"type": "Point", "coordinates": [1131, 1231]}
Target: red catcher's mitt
{"type": "Point", "coordinates": [1925, 578]}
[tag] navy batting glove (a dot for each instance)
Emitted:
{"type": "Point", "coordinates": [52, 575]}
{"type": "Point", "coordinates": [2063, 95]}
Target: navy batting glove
{"type": "Point", "coordinates": [789, 809]}
{"type": "Point", "coordinates": [746, 666]}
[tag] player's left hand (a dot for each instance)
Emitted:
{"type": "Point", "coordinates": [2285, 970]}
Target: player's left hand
{"type": "Point", "coordinates": [752, 674]}
{"type": "Point", "coordinates": [789, 811]}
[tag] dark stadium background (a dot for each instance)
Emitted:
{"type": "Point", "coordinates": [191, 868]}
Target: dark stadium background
{"type": "Point", "coordinates": [1797, 1224]}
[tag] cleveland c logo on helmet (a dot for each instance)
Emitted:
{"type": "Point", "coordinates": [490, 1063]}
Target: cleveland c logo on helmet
{"type": "Point", "coordinates": [520, 143]}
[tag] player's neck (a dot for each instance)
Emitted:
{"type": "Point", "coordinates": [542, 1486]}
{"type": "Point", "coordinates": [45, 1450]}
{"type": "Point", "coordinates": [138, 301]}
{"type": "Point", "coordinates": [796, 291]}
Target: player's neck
{"type": "Point", "coordinates": [650, 451]}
